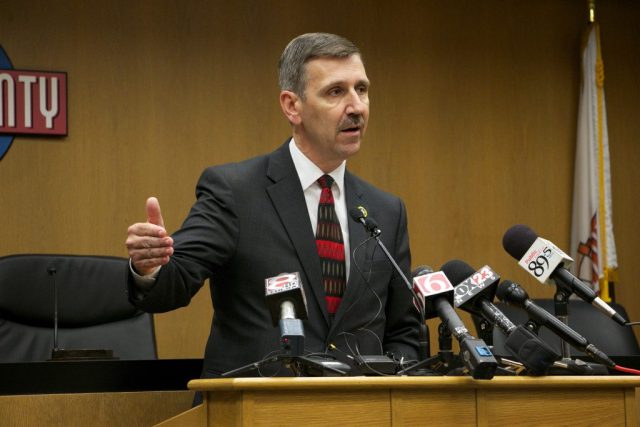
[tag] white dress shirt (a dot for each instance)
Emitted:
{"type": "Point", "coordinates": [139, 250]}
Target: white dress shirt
{"type": "Point", "coordinates": [309, 173]}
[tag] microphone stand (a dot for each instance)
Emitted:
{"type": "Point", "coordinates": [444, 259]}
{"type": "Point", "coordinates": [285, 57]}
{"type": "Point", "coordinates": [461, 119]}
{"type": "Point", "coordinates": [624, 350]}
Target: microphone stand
{"type": "Point", "coordinates": [439, 364]}
{"type": "Point", "coordinates": [485, 330]}
{"type": "Point", "coordinates": [59, 354]}
{"type": "Point", "coordinates": [432, 362]}
{"type": "Point", "coordinates": [300, 365]}
{"type": "Point", "coordinates": [52, 272]}
{"type": "Point", "coordinates": [445, 343]}
{"type": "Point", "coordinates": [561, 311]}
{"type": "Point", "coordinates": [292, 344]}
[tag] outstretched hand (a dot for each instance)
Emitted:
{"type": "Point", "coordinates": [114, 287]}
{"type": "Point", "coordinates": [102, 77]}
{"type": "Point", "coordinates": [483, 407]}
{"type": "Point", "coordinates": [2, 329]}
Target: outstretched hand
{"type": "Point", "coordinates": [148, 244]}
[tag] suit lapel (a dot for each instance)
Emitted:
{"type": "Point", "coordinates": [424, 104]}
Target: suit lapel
{"type": "Point", "coordinates": [289, 202]}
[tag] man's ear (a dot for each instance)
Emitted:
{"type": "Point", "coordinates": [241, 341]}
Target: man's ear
{"type": "Point", "coordinates": [290, 104]}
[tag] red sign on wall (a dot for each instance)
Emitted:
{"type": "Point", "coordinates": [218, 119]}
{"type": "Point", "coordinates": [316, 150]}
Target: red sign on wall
{"type": "Point", "coordinates": [33, 102]}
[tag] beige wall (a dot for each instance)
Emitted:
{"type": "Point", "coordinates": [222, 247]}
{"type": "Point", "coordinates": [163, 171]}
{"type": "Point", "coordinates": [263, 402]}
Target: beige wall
{"type": "Point", "coordinates": [474, 108]}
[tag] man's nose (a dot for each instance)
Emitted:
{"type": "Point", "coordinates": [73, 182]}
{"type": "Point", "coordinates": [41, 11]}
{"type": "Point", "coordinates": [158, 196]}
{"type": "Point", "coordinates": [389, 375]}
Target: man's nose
{"type": "Point", "coordinates": [357, 103]}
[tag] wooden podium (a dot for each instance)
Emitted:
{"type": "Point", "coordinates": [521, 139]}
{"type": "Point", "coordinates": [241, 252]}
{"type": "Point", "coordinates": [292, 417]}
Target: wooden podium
{"type": "Point", "coordinates": [413, 401]}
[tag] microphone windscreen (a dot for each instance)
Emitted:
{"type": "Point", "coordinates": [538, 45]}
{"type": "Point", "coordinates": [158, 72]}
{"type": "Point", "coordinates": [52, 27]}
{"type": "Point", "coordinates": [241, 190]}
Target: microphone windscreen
{"type": "Point", "coordinates": [503, 288]}
{"type": "Point", "coordinates": [420, 270]}
{"type": "Point", "coordinates": [518, 239]}
{"type": "Point", "coordinates": [457, 271]}
{"type": "Point", "coordinates": [356, 214]}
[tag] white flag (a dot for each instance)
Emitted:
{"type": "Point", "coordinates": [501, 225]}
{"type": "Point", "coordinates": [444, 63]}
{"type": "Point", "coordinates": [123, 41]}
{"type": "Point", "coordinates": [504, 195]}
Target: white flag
{"type": "Point", "coordinates": [592, 242]}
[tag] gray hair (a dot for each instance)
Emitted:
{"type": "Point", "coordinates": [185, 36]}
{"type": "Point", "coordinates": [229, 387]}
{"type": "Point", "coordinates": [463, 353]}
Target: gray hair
{"type": "Point", "coordinates": [304, 48]}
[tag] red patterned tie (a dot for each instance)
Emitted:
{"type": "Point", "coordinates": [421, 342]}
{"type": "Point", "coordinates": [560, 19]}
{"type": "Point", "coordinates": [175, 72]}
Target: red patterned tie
{"type": "Point", "coordinates": [330, 247]}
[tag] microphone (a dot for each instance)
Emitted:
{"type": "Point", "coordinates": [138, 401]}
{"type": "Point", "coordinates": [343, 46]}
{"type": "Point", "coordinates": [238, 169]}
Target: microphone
{"type": "Point", "coordinates": [543, 260]}
{"type": "Point", "coordinates": [445, 348]}
{"type": "Point", "coordinates": [475, 292]}
{"type": "Point", "coordinates": [287, 304]}
{"type": "Point", "coordinates": [514, 294]}
{"type": "Point", "coordinates": [60, 354]}
{"type": "Point", "coordinates": [360, 214]}
{"type": "Point", "coordinates": [420, 270]}
{"type": "Point", "coordinates": [52, 272]}
{"type": "Point", "coordinates": [424, 349]}
{"type": "Point", "coordinates": [436, 295]}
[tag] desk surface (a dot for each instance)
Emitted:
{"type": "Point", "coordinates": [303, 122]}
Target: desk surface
{"type": "Point", "coordinates": [409, 401]}
{"type": "Point", "coordinates": [393, 382]}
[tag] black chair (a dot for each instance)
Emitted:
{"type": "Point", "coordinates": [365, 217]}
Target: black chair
{"type": "Point", "coordinates": [600, 330]}
{"type": "Point", "coordinates": [93, 308]}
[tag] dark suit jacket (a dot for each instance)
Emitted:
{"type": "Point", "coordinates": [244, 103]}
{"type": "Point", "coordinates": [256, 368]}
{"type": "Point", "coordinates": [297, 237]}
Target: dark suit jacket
{"type": "Point", "coordinates": [250, 222]}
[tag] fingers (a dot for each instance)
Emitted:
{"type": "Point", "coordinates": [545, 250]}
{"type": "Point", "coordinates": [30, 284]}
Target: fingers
{"type": "Point", "coordinates": [154, 215]}
{"type": "Point", "coordinates": [148, 244]}
{"type": "Point", "coordinates": [140, 238]}
{"type": "Point", "coordinates": [146, 229]}
{"type": "Point", "coordinates": [148, 252]}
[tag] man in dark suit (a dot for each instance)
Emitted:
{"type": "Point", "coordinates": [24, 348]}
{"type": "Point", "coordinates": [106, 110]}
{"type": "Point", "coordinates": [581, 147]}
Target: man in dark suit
{"type": "Point", "coordinates": [258, 218]}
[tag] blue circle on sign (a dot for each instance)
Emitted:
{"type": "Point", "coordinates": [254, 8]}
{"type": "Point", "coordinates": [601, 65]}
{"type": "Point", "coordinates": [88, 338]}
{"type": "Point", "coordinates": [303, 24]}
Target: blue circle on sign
{"type": "Point", "coordinates": [5, 140]}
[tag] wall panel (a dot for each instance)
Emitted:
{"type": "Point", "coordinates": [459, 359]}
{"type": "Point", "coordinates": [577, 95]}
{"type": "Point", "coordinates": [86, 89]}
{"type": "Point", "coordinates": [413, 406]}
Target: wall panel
{"type": "Point", "coordinates": [473, 120]}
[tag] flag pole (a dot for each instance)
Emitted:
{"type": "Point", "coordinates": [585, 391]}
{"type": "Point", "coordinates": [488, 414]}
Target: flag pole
{"type": "Point", "coordinates": [607, 283]}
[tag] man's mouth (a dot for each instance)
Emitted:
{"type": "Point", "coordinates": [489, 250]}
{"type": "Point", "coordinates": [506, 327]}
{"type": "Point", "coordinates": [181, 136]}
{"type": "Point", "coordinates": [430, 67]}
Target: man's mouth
{"type": "Point", "coordinates": [352, 124]}
{"type": "Point", "coordinates": [351, 129]}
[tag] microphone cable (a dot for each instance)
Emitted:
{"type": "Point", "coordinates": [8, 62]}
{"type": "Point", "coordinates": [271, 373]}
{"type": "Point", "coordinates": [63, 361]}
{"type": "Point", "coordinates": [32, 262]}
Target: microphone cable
{"type": "Point", "coordinates": [626, 370]}
{"type": "Point", "coordinates": [269, 357]}
{"type": "Point", "coordinates": [365, 279]}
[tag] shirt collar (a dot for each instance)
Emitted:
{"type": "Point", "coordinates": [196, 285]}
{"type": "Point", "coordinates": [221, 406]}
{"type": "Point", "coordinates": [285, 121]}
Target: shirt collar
{"type": "Point", "coordinates": [309, 173]}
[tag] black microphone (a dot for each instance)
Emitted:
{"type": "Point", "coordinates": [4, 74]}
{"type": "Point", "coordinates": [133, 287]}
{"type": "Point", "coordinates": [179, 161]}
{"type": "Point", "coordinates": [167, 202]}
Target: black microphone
{"type": "Point", "coordinates": [514, 294]}
{"type": "Point", "coordinates": [543, 260]}
{"type": "Point", "coordinates": [360, 215]}
{"type": "Point", "coordinates": [445, 345]}
{"type": "Point", "coordinates": [60, 354]}
{"type": "Point", "coordinates": [436, 294]}
{"type": "Point", "coordinates": [52, 272]}
{"type": "Point", "coordinates": [475, 292]}
{"type": "Point", "coordinates": [287, 304]}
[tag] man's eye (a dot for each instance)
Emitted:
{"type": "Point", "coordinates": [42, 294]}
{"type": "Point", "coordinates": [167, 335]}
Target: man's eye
{"type": "Point", "coordinates": [335, 91]}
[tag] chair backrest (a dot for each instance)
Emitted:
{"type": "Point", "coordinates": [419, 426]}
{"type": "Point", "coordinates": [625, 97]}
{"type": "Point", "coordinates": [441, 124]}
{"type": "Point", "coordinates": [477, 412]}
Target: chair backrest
{"type": "Point", "coordinates": [93, 308]}
{"type": "Point", "coordinates": [600, 330]}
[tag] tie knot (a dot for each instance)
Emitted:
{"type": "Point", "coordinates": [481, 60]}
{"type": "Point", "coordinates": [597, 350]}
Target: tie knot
{"type": "Point", "coordinates": [325, 181]}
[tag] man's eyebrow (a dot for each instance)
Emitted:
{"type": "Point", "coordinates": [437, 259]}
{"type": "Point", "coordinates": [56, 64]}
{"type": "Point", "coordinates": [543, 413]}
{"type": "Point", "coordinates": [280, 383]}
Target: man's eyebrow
{"type": "Point", "coordinates": [340, 82]}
